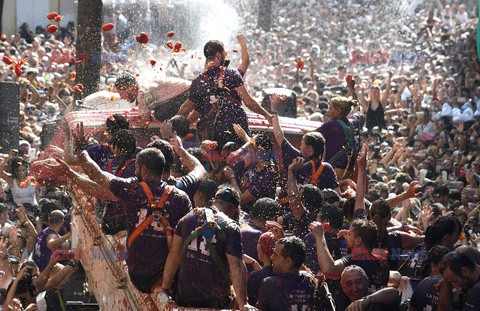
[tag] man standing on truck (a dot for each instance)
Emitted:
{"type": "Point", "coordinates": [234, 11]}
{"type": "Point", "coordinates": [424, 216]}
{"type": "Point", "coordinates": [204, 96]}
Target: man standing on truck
{"type": "Point", "coordinates": [216, 97]}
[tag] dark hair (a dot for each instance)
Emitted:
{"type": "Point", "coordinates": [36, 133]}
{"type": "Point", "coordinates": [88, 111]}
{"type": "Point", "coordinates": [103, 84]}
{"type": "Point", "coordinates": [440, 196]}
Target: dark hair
{"type": "Point", "coordinates": [228, 194]}
{"type": "Point", "coordinates": [126, 80]}
{"type": "Point", "coordinates": [265, 208]}
{"type": "Point", "coordinates": [180, 125]}
{"type": "Point", "coordinates": [312, 198]}
{"type": "Point", "coordinates": [153, 159]}
{"type": "Point", "coordinates": [16, 163]}
{"type": "Point", "coordinates": [332, 214]}
{"type": "Point", "coordinates": [167, 151]}
{"type": "Point", "coordinates": [379, 210]}
{"type": "Point", "coordinates": [456, 261]}
{"type": "Point", "coordinates": [316, 140]}
{"type": "Point", "coordinates": [367, 230]}
{"type": "Point", "coordinates": [125, 141]}
{"type": "Point", "coordinates": [435, 255]}
{"type": "Point", "coordinates": [62, 197]}
{"type": "Point", "coordinates": [208, 187]}
{"type": "Point", "coordinates": [442, 226]}
{"type": "Point", "coordinates": [294, 248]}
{"type": "Point", "coordinates": [211, 48]}
{"type": "Point", "coordinates": [117, 122]}
{"type": "Point", "coordinates": [47, 206]}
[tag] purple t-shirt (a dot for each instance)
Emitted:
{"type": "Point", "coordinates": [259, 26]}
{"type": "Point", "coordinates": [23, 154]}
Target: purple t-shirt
{"type": "Point", "coordinates": [259, 180]}
{"type": "Point", "coordinates": [250, 236]}
{"type": "Point", "coordinates": [335, 140]}
{"type": "Point", "coordinates": [299, 228]}
{"type": "Point", "coordinates": [426, 295]}
{"type": "Point", "coordinates": [114, 213]}
{"type": "Point", "coordinates": [41, 253]}
{"type": "Point", "coordinates": [203, 95]}
{"type": "Point", "coordinates": [328, 177]}
{"type": "Point", "coordinates": [287, 292]}
{"type": "Point", "coordinates": [100, 154]}
{"type": "Point", "coordinates": [188, 183]}
{"type": "Point", "coordinates": [200, 279]}
{"type": "Point", "coordinates": [254, 282]}
{"type": "Point", "coordinates": [472, 301]}
{"type": "Point", "coordinates": [148, 253]}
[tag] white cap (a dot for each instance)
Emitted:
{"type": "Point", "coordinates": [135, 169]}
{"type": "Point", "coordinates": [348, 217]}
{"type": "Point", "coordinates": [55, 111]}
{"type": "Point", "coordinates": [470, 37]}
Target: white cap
{"type": "Point", "coordinates": [446, 110]}
{"type": "Point", "coordinates": [467, 115]}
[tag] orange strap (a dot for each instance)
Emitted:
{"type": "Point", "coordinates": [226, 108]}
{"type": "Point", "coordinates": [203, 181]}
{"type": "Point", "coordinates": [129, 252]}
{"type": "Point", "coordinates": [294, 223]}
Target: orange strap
{"type": "Point", "coordinates": [154, 204]}
{"type": "Point", "coordinates": [316, 173]}
{"type": "Point", "coordinates": [283, 200]}
{"type": "Point", "coordinates": [121, 169]}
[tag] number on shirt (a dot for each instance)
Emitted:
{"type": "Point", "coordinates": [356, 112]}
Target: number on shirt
{"type": "Point", "coordinates": [203, 245]}
{"type": "Point", "coordinates": [142, 214]}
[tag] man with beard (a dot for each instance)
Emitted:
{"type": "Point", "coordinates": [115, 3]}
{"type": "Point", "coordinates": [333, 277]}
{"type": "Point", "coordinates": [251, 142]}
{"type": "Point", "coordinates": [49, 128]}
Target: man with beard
{"type": "Point", "coordinates": [153, 210]}
{"type": "Point", "coordinates": [459, 271]}
{"type": "Point", "coordinates": [290, 288]}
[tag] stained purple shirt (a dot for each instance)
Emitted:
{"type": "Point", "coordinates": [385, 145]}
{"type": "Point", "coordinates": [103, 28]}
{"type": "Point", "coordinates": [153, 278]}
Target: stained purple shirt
{"type": "Point", "coordinates": [100, 154]}
{"type": "Point", "coordinates": [200, 94]}
{"type": "Point", "coordinates": [335, 139]}
{"type": "Point", "coordinates": [328, 177]}
{"type": "Point", "coordinates": [188, 183]}
{"type": "Point", "coordinates": [41, 253]}
{"type": "Point", "coordinates": [287, 292]}
{"type": "Point", "coordinates": [298, 227]}
{"type": "Point", "coordinates": [114, 218]}
{"type": "Point", "coordinates": [254, 282]}
{"type": "Point", "coordinates": [250, 235]}
{"type": "Point", "coordinates": [260, 181]}
{"type": "Point", "coordinates": [200, 278]}
{"type": "Point", "coordinates": [148, 253]}
{"type": "Point", "coordinates": [472, 301]}
{"type": "Point", "coordinates": [426, 294]}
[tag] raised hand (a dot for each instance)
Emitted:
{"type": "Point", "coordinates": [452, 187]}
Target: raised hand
{"type": "Point", "coordinates": [275, 102]}
{"type": "Point", "coordinates": [166, 129]}
{"type": "Point", "coordinates": [176, 142]}
{"type": "Point", "coordinates": [241, 132]}
{"type": "Point", "coordinates": [412, 190]}
{"type": "Point", "coordinates": [79, 137]}
{"type": "Point", "coordinates": [275, 228]}
{"type": "Point", "coordinates": [296, 165]}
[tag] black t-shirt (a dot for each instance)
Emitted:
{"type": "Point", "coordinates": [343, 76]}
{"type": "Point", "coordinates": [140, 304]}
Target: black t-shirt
{"type": "Point", "coordinates": [472, 301]}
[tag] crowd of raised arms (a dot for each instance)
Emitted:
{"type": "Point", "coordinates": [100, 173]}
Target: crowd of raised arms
{"type": "Point", "coordinates": [376, 209]}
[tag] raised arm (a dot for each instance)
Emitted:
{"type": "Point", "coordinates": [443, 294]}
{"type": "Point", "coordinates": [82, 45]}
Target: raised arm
{"type": "Point", "coordinates": [193, 165]}
{"type": "Point", "coordinates": [384, 98]}
{"type": "Point", "coordinates": [362, 174]}
{"type": "Point", "coordinates": [293, 195]}
{"type": "Point", "coordinates": [245, 54]}
{"type": "Point", "coordinates": [252, 104]}
{"type": "Point", "coordinates": [325, 259]}
{"type": "Point", "coordinates": [277, 130]}
{"type": "Point", "coordinates": [187, 107]}
{"type": "Point", "coordinates": [93, 170]}
{"type": "Point", "coordinates": [410, 193]}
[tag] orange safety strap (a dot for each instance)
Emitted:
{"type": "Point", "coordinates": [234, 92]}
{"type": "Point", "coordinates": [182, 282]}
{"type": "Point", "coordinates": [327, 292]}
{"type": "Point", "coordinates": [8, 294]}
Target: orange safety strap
{"type": "Point", "coordinates": [283, 200]}
{"type": "Point", "coordinates": [316, 173]}
{"type": "Point", "coordinates": [154, 204]}
{"type": "Point", "coordinates": [121, 169]}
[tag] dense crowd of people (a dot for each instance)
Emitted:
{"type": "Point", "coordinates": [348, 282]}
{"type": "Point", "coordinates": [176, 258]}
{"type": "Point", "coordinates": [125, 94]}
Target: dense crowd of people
{"type": "Point", "coordinates": [377, 208]}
